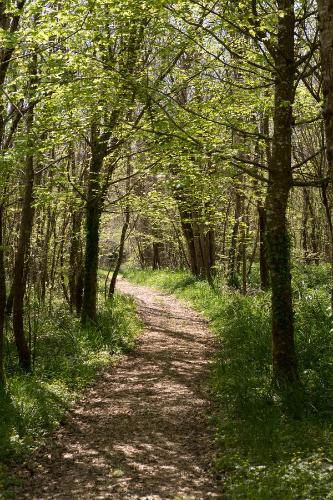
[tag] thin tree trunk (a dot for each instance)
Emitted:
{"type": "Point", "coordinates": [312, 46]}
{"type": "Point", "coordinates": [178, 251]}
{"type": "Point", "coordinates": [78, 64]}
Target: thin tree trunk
{"type": "Point", "coordinates": [120, 254]}
{"type": "Point", "coordinates": [2, 304]}
{"type": "Point", "coordinates": [186, 225]}
{"type": "Point", "coordinates": [62, 259]}
{"type": "Point", "coordinates": [253, 253]}
{"type": "Point", "coordinates": [315, 244]}
{"type": "Point", "coordinates": [124, 230]}
{"type": "Point", "coordinates": [225, 226]}
{"type": "Point", "coordinates": [233, 279]}
{"type": "Point", "coordinates": [305, 218]}
{"type": "Point", "coordinates": [156, 255]}
{"type": "Point", "coordinates": [45, 257]}
{"type": "Point", "coordinates": [263, 264]}
{"type": "Point", "coordinates": [140, 253]}
{"type": "Point", "coordinates": [53, 267]}
{"type": "Point", "coordinates": [75, 262]}
{"type": "Point", "coordinates": [244, 258]}
{"type": "Point", "coordinates": [328, 213]}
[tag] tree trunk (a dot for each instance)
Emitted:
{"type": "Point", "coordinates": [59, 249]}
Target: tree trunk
{"type": "Point", "coordinates": [200, 242]}
{"type": "Point", "coordinates": [325, 11]}
{"type": "Point", "coordinates": [89, 303]}
{"type": "Point", "coordinates": [21, 263]}
{"type": "Point", "coordinates": [93, 215]}
{"type": "Point", "coordinates": [75, 262]}
{"type": "Point", "coordinates": [120, 254]}
{"type": "Point", "coordinates": [2, 304]}
{"type": "Point", "coordinates": [243, 255]}
{"type": "Point", "coordinates": [280, 181]}
{"type": "Point", "coordinates": [45, 257]}
{"type": "Point", "coordinates": [328, 213]}
{"type": "Point", "coordinates": [233, 278]}
{"type": "Point", "coordinates": [62, 260]}
{"type": "Point", "coordinates": [187, 229]}
{"type": "Point", "coordinates": [263, 264]}
{"type": "Point", "coordinates": [156, 255]}
{"type": "Point", "coordinates": [305, 219]}
{"type": "Point", "coordinates": [225, 226]}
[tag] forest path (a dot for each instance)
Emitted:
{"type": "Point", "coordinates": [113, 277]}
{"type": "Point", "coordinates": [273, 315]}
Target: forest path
{"type": "Point", "coordinates": [142, 431]}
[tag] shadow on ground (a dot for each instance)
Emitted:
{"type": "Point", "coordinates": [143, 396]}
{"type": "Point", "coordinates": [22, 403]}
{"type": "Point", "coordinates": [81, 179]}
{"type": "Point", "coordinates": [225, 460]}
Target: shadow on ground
{"type": "Point", "coordinates": [143, 430]}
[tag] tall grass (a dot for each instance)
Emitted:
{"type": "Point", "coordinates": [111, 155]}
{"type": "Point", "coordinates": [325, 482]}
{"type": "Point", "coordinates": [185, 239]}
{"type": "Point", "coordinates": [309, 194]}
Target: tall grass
{"type": "Point", "coordinates": [263, 451]}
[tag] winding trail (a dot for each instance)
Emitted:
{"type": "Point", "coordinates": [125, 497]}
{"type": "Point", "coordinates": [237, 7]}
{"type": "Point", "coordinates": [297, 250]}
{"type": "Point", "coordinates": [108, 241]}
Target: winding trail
{"type": "Point", "coordinates": [142, 430]}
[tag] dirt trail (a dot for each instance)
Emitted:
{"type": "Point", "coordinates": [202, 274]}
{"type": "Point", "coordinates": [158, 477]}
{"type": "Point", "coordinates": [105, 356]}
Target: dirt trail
{"type": "Point", "coordinates": [142, 431]}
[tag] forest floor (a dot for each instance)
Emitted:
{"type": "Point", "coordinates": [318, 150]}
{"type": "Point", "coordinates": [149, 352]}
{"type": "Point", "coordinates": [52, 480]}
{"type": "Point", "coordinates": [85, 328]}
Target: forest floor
{"type": "Point", "coordinates": [142, 431]}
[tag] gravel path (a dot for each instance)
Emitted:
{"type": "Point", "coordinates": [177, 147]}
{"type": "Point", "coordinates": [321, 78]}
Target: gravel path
{"type": "Point", "coordinates": [142, 431]}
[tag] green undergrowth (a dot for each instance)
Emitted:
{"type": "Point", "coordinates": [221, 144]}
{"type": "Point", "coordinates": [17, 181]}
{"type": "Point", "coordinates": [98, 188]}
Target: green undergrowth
{"type": "Point", "coordinates": [264, 452]}
{"type": "Point", "coordinates": [67, 359]}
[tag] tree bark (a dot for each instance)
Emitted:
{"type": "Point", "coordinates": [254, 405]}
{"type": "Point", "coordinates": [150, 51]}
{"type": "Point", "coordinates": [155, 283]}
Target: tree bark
{"type": "Point", "coordinates": [21, 263]}
{"type": "Point", "coordinates": [21, 266]}
{"type": "Point", "coordinates": [45, 256]}
{"type": "Point", "coordinates": [93, 215]}
{"type": "Point", "coordinates": [156, 255]}
{"type": "Point", "coordinates": [280, 182]}
{"type": "Point", "coordinates": [263, 264]}
{"type": "Point", "coordinates": [325, 11]}
{"type": "Point", "coordinates": [233, 278]}
{"type": "Point", "coordinates": [75, 263]}
{"type": "Point", "coordinates": [2, 304]}
{"type": "Point", "coordinates": [328, 213]}
{"type": "Point", "coordinates": [94, 206]}
{"type": "Point", "coordinates": [120, 254]}
{"type": "Point", "coordinates": [243, 257]}
{"type": "Point", "coordinates": [305, 219]}
{"type": "Point", "coordinates": [200, 242]}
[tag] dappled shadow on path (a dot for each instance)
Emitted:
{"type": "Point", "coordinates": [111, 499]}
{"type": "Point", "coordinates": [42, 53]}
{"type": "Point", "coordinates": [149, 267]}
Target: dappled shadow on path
{"type": "Point", "coordinates": [142, 431]}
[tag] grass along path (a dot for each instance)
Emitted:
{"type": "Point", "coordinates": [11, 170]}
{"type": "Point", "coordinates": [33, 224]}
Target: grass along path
{"type": "Point", "coordinates": [263, 452]}
{"type": "Point", "coordinates": [143, 430]}
{"type": "Point", "coordinates": [39, 401]}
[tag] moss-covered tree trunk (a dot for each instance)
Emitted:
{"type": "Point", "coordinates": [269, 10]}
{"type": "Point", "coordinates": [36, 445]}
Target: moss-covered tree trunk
{"type": "Point", "coordinates": [21, 263]}
{"type": "Point", "coordinates": [2, 303]}
{"type": "Point", "coordinates": [280, 182]}
{"type": "Point", "coordinates": [21, 266]}
{"type": "Point", "coordinates": [325, 10]}
{"type": "Point", "coordinates": [93, 216]}
{"type": "Point", "coordinates": [9, 24]}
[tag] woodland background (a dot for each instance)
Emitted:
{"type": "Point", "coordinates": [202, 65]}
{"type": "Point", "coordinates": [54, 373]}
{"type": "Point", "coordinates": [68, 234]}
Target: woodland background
{"type": "Point", "coordinates": [194, 139]}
